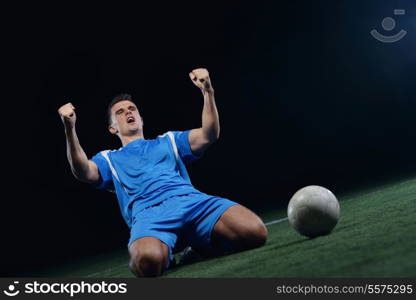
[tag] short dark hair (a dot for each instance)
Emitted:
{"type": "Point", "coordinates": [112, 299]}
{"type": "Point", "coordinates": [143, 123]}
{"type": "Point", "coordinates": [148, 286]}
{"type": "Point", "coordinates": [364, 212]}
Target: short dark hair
{"type": "Point", "coordinates": [116, 99]}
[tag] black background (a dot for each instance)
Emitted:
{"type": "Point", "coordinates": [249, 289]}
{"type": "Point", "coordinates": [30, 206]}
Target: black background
{"type": "Point", "coordinates": [305, 96]}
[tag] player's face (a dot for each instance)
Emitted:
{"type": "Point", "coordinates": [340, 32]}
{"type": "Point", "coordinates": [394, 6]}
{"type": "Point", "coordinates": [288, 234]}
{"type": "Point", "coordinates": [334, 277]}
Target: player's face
{"type": "Point", "coordinates": [126, 118]}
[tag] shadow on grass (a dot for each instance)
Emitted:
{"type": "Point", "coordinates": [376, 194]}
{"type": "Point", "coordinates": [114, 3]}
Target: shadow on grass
{"type": "Point", "coordinates": [280, 246]}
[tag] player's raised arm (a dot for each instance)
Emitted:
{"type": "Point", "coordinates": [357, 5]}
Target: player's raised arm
{"type": "Point", "coordinates": [82, 168]}
{"type": "Point", "coordinates": [201, 138]}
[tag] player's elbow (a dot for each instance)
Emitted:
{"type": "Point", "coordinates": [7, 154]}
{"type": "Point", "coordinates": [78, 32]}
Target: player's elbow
{"type": "Point", "coordinates": [86, 172]}
{"type": "Point", "coordinates": [84, 176]}
{"type": "Point", "coordinates": [217, 135]}
{"type": "Point", "coordinates": [212, 136]}
{"type": "Point", "coordinates": [79, 176]}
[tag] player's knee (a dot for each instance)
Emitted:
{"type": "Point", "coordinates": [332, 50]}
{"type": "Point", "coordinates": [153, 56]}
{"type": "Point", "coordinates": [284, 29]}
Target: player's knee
{"type": "Point", "coordinates": [147, 263]}
{"type": "Point", "coordinates": [151, 263]}
{"type": "Point", "coordinates": [255, 235]}
{"type": "Point", "coordinates": [134, 267]}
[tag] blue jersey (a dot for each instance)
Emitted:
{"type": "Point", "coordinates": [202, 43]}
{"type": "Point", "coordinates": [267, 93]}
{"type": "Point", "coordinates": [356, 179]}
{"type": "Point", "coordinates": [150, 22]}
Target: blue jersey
{"type": "Point", "coordinates": [146, 172]}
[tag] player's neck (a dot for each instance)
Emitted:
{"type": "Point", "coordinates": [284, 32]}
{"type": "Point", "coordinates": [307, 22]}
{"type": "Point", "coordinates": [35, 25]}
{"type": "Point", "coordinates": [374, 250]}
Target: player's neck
{"type": "Point", "coordinates": [128, 139]}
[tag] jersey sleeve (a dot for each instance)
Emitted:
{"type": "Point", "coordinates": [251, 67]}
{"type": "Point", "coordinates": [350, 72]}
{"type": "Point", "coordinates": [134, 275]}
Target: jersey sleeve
{"type": "Point", "coordinates": [184, 148]}
{"type": "Point", "coordinates": [106, 178]}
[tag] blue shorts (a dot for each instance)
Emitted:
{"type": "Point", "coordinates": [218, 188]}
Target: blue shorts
{"type": "Point", "coordinates": [180, 221]}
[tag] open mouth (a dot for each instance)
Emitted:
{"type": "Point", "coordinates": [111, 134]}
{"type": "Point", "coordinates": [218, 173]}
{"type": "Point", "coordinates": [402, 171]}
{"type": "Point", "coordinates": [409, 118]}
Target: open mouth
{"type": "Point", "coordinates": [130, 120]}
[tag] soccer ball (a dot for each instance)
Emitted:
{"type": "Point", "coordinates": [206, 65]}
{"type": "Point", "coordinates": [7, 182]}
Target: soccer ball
{"type": "Point", "coordinates": [313, 211]}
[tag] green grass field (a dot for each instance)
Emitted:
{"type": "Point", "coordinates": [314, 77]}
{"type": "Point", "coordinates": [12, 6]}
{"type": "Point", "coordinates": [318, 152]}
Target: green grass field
{"type": "Point", "coordinates": [375, 237]}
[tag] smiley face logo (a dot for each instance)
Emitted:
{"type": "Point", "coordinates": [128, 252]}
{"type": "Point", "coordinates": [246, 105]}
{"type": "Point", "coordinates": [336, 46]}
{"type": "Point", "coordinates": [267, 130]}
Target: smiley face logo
{"type": "Point", "coordinates": [11, 290]}
{"type": "Point", "coordinates": [389, 24]}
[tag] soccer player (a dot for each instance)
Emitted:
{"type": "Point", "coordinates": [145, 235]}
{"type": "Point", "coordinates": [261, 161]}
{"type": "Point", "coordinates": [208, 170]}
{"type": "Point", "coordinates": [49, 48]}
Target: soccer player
{"type": "Point", "coordinates": [163, 210]}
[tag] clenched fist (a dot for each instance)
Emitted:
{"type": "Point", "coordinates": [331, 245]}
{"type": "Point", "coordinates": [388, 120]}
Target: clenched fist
{"type": "Point", "coordinates": [200, 77]}
{"type": "Point", "coordinates": [67, 113]}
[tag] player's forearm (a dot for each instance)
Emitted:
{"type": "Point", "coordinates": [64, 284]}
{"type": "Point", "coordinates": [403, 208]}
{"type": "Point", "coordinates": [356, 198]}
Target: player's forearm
{"type": "Point", "coordinates": [210, 118]}
{"type": "Point", "coordinates": [77, 158]}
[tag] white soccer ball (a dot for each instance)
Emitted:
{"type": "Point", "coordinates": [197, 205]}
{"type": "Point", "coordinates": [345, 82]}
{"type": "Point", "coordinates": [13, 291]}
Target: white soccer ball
{"type": "Point", "coordinates": [313, 211]}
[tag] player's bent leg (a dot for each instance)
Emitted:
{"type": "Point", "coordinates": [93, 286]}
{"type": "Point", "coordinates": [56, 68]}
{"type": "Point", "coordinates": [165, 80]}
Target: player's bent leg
{"type": "Point", "coordinates": [148, 257]}
{"type": "Point", "coordinates": [240, 227]}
